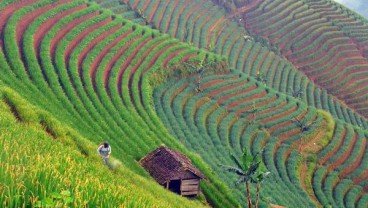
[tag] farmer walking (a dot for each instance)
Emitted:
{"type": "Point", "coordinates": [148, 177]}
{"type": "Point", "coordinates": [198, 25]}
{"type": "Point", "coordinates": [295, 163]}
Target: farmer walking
{"type": "Point", "coordinates": [104, 150]}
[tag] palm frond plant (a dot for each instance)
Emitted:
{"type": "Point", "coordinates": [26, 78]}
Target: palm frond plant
{"type": "Point", "coordinates": [249, 169]}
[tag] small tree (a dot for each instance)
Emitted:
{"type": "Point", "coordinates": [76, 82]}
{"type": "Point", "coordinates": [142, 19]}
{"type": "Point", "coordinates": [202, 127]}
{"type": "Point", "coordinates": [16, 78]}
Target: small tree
{"type": "Point", "coordinates": [304, 127]}
{"type": "Point", "coordinates": [249, 170]}
{"type": "Point", "coordinates": [296, 93]}
{"type": "Point", "coordinates": [200, 72]}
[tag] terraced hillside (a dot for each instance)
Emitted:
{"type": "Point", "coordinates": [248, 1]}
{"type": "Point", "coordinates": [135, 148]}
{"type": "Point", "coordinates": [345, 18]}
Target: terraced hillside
{"type": "Point", "coordinates": [288, 77]}
{"type": "Point", "coordinates": [316, 45]}
{"type": "Point", "coordinates": [84, 67]}
{"type": "Point", "coordinates": [224, 34]}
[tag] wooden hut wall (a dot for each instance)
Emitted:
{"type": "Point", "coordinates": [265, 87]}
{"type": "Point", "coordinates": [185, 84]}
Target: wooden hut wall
{"type": "Point", "coordinates": [190, 187]}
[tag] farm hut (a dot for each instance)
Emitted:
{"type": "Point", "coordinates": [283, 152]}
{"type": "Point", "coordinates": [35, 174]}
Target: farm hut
{"type": "Point", "coordinates": [174, 171]}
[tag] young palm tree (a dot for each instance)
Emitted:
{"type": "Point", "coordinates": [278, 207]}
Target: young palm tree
{"type": "Point", "coordinates": [248, 168]}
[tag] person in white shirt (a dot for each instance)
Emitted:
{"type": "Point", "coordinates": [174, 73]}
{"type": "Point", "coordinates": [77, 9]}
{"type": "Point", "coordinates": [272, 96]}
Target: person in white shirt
{"type": "Point", "coordinates": [104, 150]}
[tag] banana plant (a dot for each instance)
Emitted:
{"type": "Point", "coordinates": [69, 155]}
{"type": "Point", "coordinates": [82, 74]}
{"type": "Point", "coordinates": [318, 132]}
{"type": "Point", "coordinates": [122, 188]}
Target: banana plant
{"type": "Point", "coordinates": [248, 169]}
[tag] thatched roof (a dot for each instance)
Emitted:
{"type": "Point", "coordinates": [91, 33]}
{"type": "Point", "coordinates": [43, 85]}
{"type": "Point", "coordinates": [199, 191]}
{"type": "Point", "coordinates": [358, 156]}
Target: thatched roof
{"type": "Point", "coordinates": [165, 164]}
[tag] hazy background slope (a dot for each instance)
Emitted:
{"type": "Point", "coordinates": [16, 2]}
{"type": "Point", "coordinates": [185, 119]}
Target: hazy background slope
{"type": "Point", "coordinates": [359, 6]}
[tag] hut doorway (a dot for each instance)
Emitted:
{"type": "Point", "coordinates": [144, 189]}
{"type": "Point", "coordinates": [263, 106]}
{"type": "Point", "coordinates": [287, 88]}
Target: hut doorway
{"type": "Point", "coordinates": [174, 186]}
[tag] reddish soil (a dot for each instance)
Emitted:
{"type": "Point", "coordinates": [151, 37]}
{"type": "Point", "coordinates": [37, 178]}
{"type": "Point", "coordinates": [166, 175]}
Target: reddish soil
{"type": "Point", "coordinates": [144, 7]}
{"type": "Point", "coordinates": [274, 18]}
{"type": "Point", "coordinates": [92, 44]}
{"type": "Point", "coordinates": [180, 11]}
{"type": "Point", "coordinates": [49, 23]}
{"type": "Point", "coordinates": [341, 52]}
{"type": "Point", "coordinates": [7, 12]}
{"type": "Point", "coordinates": [194, 9]}
{"type": "Point", "coordinates": [213, 83]}
{"type": "Point", "coordinates": [276, 206]}
{"type": "Point", "coordinates": [322, 42]}
{"type": "Point", "coordinates": [220, 90]}
{"type": "Point", "coordinates": [134, 5]}
{"type": "Point", "coordinates": [152, 60]}
{"type": "Point", "coordinates": [300, 53]}
{"type": "Point", "coordinates": [109, 66]}
{"type": "Point", "coordinates": [178, 91]}
{"type": "Point", "coordinates": [253, 97]}
{"type": "Point", "coordinates": [353, 85]}
{"type": "Point", "coordinates": [152, 14]}
{"type": "Point", "coordinates": [215, 28]}
{"type": "Point", "coordinates": [161, 15]}
{"type": "Point", "coordinates": [256, 54]}
{"type": "Point", "coordinates": [127, 63]}
{"type": "Point", "coordinates": [284, 136]}
{"type": "Point", "coordinates": [280, 115]}
{"type": "Point", "coordinates": [77, 40]}
{"type": "Point", "coordinates": [259, 105]}
{"type": "Point", "coordinates": [313, 145]}
{"type": "Point", "coordinates": [271, 109]}
{"type": "Point", "coordinates": [227, 36]}
{"type": "Point", "coordinates": [102, 54]}
{"type": "Point", "coordinates": [361, 177]}
{"type": "Point", "coordinates": [352, 167]}
{"type": "Point", "coordinates": [171, 56]}
{"type": "Point", "coordinates": [351, 99]}
{"type": "Point", "coordinates": [302, 31]}
{"type": "Point", "coordinates": [287, 134]}
{"type": "Point", "coordinates": [248, 7]}
{"type": "Point", "coordinates": [323, 160]}
{"type": "Point", "coordinates": [352, 90]}
{"type": "Point", "coordinates": [188, 57]}
{"type": "Point", "coordinates": [27, 19]}
{"type": "Point", "coordinates": [220, 100]}
{"type": "Point", "coordinates": [347, 75]}
{"type": "Point", "coordinates": [166, 28]}
{"type": "Point", "coordinates": [345, 156]}
{"type": "Point", "coordinates": [65, 29]}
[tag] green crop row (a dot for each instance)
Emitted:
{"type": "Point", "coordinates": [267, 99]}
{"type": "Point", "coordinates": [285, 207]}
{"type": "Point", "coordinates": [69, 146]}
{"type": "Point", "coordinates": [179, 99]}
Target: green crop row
{"type": "Point", "coordinates": [317, 180]}
{"type": "Point", "coordinates": [329, 184]}
{"type": "Point", "coordinates": [345, 145]}
{"type": "Point", "coordinates": [340, 190]}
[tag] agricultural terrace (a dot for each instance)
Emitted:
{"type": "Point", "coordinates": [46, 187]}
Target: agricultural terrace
{"type": "Point", "coordinates": [106, 70]}
{"type": "Point", "coordinates": [82, 65]}
{"type": "Point", "coordinates": [224, 34]}
{"type": "Point", "coordinates": [234, 111]}
{"type": "Point", "coordinates": [316, 45]}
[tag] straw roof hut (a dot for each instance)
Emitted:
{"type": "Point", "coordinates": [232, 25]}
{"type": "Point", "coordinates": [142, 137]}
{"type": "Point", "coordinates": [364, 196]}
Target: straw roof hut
{"type": "Point", "coordinates": [173, 170]}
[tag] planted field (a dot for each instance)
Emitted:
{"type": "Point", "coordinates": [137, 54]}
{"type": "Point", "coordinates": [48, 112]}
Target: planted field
{"type": "Point", "coordinates": [199, 76]}
{"type": "Point", "coordinates": [313, 44]}
{"type": "Point", "coordinates": [223, 35]}
{"type": "Point", "coordinates": [231, 113]}
{"type": "Point", "coordinates": [51, 61]}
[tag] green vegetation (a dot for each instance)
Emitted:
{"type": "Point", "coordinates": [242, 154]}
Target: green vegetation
{"type": "Point", "coordinates": [45, 163]}
{"type": "Point", "coordinates": [223, 79]}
